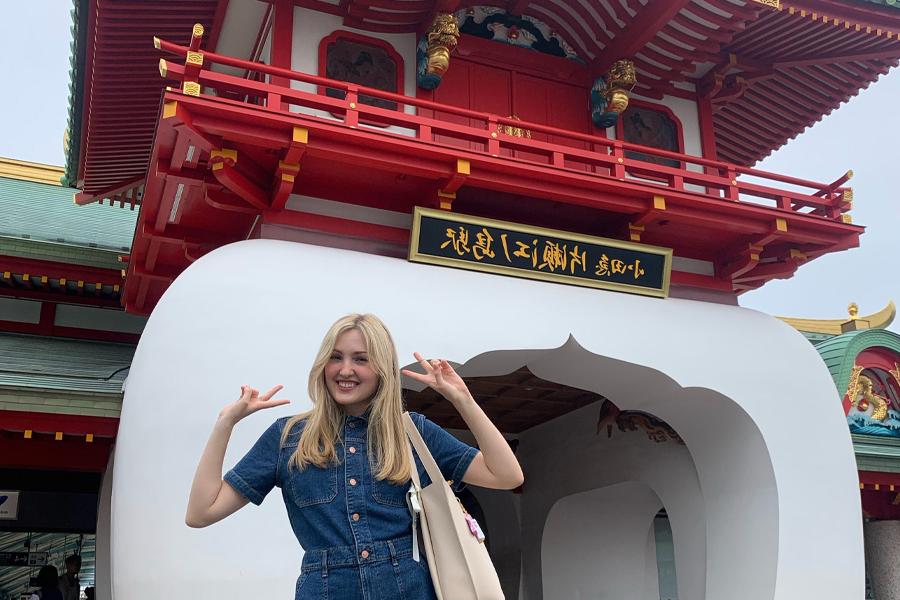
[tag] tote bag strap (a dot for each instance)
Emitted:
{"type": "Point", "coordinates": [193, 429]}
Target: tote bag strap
{"type": "Point", "coordinates": [422, 450]}
{"type": "Point", "coordinates": [432, 469]}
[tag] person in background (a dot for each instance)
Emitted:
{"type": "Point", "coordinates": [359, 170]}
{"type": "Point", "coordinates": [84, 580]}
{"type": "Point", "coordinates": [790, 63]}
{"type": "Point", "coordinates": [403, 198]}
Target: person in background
{"type": "Point", "coordinates": [47, 580]}
{"type": "Point", "coordinates": [68, 582]}
{"type": "Point", "coordinates": [89, 593]}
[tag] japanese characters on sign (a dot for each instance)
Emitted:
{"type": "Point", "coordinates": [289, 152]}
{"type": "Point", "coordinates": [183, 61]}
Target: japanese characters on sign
{"type": "Point", "coordinates": [468, 242]}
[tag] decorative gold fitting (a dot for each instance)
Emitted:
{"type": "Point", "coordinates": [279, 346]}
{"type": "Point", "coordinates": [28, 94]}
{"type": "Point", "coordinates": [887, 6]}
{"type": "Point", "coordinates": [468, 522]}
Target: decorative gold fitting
{"type": "Point", "coordinates": [493, 134]}
{"type": "Point", "coordinates": [845, 218]}
{"type": "Point", "coordinates": [734, 182]}
{"type": "Point", "coordinates": [781, 224]}
{"type": "Point", "coordinates": [169, 109]}
{"type": "Point", "coordinates": [849, 174]}
{"type": "Point", "coordinates": [463, 166]}
{"type": "Point", "coordinates": [847, 196]}
{"type": "Point", "coordinates": [659, 203]}
{"type": "Point", "coordinates": [635, 231]}
{"type": "Point", "coordinates": [353, 105]}
{"type": "Point", "coordinates": [515, 131]}
{"type": "Point", "coordinates": [191, 88]}
{"type": "Point", "coordinates": [620, 80]}
{"type": "Point", "coordinates": [797, 255]}
{"type": "Point", "coordinates": [194, 58]}
{"type": "Point", "coordinates": [441, 38]}
{"type": "Point", "coordinates": [156, 43]}
{"type": "Point", "coordinates": [197, 31]}
{"type": "Point", "coordinates": [300, 135]}
{"type": "Point", "coordinates": [620, 160]}
{"type": "Point", "coordinates": [445, 200]}
{"type": "Point", "coordinates": [163, 67]}
{"type": "Point", "coordinates": [221, 157]}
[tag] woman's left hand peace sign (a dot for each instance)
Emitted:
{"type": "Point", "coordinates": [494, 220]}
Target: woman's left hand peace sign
{"type": "Point", "coordinates": [442, 378]}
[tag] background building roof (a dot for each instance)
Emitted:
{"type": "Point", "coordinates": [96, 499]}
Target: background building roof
{"type": "Point", "coordinates": [41, 221]}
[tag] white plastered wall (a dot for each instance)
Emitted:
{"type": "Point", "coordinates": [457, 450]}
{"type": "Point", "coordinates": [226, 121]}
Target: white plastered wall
{"type": "Point", "coordinates": [103, 559]}
{"type": "Point", "coordinates": [781, 519]}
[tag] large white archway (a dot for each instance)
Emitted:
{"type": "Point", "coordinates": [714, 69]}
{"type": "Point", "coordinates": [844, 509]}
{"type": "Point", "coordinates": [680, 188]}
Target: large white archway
{"type": "Point", "coordinates": [254, 312]}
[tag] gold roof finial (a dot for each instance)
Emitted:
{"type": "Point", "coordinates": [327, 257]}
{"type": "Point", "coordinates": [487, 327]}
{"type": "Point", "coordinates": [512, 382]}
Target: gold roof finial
{"type": "Point", "coordinates": [878, 320]}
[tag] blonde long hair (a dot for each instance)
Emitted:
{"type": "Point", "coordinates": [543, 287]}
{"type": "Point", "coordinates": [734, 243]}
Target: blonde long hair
{"type": "Point", "coordinates": [387, 443]}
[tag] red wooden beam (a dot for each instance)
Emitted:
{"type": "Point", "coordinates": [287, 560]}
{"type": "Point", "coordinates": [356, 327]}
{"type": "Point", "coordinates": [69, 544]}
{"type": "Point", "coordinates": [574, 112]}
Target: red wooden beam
{"type": "Point", "coordinates": [57, 270]}
{"type": "Point", "coordinates": [642, 28]}
{"type": "Point", "coordinates": [14, 420]}
{"type": "Point", "coordinates": [44, 452]}
{"type": "Point", "coordinates": [338, 226]}
{"type": "Point", "coordinates": [77, 333]}
{"type": "Point", "coordinates": [865, 15]}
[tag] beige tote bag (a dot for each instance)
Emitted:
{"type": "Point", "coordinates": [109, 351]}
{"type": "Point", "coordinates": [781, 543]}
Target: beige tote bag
{"type": "Point", "coordinates": [459, 563]}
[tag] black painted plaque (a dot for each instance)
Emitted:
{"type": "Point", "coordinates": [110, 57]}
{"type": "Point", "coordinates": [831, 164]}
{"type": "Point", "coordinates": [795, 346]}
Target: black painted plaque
{"type": "Point", "coordinates": [467, 242]}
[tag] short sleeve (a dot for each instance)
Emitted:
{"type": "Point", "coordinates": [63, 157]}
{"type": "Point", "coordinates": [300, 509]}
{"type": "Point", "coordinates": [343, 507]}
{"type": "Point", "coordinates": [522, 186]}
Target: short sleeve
{"type": "Point", "coordinates": [256, 474]}
{"type": "Point", "coordinates": [452, 456]}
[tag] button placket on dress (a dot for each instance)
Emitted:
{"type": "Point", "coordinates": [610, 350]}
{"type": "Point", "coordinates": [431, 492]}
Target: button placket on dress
{"type": "Point", "coordinates": [355, 467]}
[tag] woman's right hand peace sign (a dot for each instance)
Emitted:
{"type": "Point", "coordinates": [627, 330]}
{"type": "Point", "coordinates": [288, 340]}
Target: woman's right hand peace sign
{"type": "Point", "coordinates": [250, 402]}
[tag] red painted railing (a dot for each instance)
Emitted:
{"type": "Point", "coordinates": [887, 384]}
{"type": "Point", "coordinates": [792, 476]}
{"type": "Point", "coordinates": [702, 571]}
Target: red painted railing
{"type": "Point", "coordinates": [492, 134]}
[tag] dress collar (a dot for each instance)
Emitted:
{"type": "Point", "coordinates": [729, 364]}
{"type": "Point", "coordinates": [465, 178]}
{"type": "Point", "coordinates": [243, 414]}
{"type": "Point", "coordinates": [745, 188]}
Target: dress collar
{"type": "Point", "coordinates": [363, 417]}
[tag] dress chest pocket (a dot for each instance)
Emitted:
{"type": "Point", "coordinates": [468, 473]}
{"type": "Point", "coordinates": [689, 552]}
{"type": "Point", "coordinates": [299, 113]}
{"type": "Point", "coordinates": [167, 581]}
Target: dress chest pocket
{"type": "Point", "coordinates": [385, 492]}
{"type": "Point", "coordinates": [310, 485]}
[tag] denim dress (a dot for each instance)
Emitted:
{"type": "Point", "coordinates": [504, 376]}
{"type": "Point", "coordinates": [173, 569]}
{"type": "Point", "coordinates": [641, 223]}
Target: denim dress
{"type": "Point", "coordinates": [355, 530]}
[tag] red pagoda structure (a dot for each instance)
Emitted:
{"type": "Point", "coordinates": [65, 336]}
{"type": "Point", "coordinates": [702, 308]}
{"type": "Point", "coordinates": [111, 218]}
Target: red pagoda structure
{"type": "Point", "coordinates": [600, 155]}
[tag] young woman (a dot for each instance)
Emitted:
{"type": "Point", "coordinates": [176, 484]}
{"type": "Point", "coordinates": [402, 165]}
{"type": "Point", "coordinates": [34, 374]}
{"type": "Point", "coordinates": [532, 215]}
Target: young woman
{"type": "Point", "coordinates": [344, 468]}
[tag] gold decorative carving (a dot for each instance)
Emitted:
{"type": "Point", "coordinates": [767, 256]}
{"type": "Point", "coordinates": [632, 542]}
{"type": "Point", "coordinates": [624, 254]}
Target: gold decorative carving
{"type": "Point", "coordinates": [895, 373]}
{"type": "Point", "coordinates": [853, 385]}
{"type": "Point", "coordinates": [865, 397]}
{"type": "Point", "coordinates": [194, 58]}
{"type": "Point", "coordinates": [656, 429]}
{"type": "Point", "coordinates": [620, 80]}
{"type": "Point", "coordinates": [772, 3]}
{"type": "Point", "coordinates": [191, 88]}
{"type": "Point", "coordinates": [197, 31]}
{"type": "Point", "coordinates": [442, 37]}
{"type": "Point", "coordinates": [515, 131]}
{"type": "Point", "coordinates": [878, 320]}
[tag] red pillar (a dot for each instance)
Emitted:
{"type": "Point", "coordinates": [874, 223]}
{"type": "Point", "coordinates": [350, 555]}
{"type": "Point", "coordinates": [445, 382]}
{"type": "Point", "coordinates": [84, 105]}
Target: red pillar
{"type": "Point", "coordinates": [282, 39]}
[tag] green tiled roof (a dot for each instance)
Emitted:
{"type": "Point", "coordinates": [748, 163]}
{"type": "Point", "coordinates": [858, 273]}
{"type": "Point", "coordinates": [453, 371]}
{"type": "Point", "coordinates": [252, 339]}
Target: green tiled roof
{"type": "Point", "coordinates": [45, 363]}
{"type": "Point", "coordinates": [839, 352]}
{"type": "Point", "coordinates": [41, 221]}
{"type": "Point", "coordinates": [876, 453]}
{"type": "Point", "coordinates": [889, 3]}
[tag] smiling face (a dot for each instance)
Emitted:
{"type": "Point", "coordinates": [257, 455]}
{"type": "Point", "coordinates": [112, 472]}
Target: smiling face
{"type": "Point", "coordinates": [349, 376]}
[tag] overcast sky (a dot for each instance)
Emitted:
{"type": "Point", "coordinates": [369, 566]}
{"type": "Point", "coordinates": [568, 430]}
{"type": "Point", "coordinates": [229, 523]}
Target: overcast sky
{"type": "Point", "coordinates": [862, 135]}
